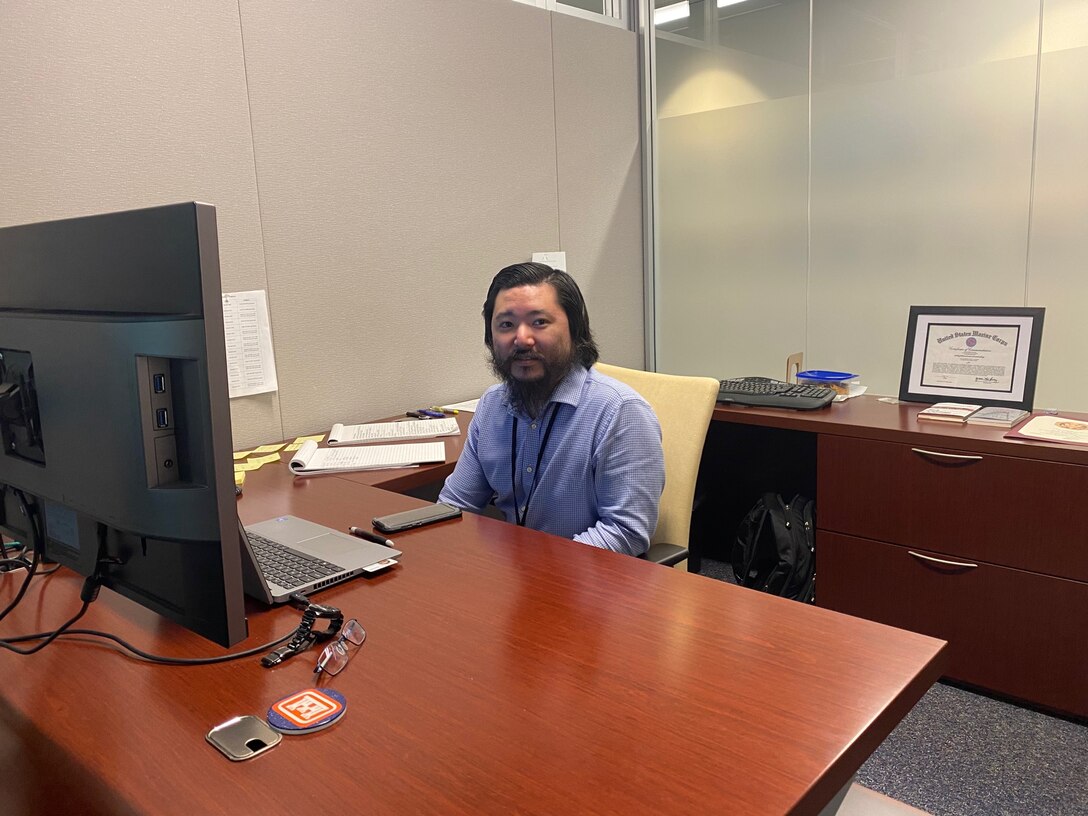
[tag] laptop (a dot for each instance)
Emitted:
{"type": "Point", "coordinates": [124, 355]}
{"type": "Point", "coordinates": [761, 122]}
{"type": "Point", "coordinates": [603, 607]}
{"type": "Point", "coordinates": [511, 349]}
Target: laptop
{"type": "Point", "coordinates": [287, 555]}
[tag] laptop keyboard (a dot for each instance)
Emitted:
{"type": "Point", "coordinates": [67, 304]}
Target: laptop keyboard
{"type": "Point", "coordinates": [286, 567]}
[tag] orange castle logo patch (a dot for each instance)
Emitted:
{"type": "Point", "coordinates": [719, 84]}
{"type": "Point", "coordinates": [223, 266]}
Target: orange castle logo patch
{"type": "Point", "coordinates": [307, 707]}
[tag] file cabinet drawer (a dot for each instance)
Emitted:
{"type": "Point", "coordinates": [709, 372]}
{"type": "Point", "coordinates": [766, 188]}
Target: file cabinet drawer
{"type": "Point", "coordinates": [1015, 512]}
{"type": "Point", "coordinates": [1010, 631]}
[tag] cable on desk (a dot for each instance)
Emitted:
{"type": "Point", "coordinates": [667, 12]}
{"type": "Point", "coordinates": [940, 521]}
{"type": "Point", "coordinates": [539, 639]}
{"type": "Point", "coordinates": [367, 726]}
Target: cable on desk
{"type": "Point", "coordinates": [20, 561]}
{"type": "Point", "coordinates": [89, 593]}
{"type": "Point", "coordinates": [140, 654]}
{"type": "Point", "coordinates": [48, 637]}
{"type": "Point", "coordinates": [36, 534]}
{"type": "Point", "coordinates": [133, 651]}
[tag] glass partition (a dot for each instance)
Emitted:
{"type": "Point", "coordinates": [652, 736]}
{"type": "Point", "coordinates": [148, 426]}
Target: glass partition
{"type": "Point", "coordinates": [822, 165]}
{"type": "Point", "coordinates": [922, 140]}
{"type": "Point", "coordinates": [732, 184]}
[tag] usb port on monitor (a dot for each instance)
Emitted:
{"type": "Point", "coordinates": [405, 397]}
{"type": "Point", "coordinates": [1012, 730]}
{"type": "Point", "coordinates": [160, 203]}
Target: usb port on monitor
{"type": "Point", "coordinates": [158, 383]}
{"type": "Point", "coordinates": [162, 418]}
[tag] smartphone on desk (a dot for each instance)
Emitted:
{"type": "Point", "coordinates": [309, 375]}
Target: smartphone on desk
{"type": "Point", "coordinates": [416, 518]}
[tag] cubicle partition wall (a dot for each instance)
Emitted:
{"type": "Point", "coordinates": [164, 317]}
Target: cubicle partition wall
{"type": "Point", "coordinates": [372, 166]}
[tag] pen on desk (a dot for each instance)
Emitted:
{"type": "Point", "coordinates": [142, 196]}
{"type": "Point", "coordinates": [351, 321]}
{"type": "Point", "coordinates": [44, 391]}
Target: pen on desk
{"type": "Point", "coordinates": [445, 410]}
{"type": "Point", "coordinates": [416, 414]}
{"type": "Point", "coordinates": [359, 532]}
{"type": "Point", "coordinates": [427, 412]}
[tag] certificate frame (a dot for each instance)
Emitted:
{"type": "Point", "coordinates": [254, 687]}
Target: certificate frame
{"type": "Point", "coordinates": [987, 355]}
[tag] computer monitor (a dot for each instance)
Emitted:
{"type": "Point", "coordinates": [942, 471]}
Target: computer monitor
{"type": "Point", "coordinates": [114, 412]}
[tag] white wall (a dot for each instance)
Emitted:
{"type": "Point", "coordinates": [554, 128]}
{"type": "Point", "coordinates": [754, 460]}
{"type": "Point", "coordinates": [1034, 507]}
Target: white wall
{"type": "Point", "coordinates": [372, 165]}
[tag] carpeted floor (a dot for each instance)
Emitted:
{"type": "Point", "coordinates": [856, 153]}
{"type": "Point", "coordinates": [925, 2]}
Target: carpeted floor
{"type": "Point", "coordinates": [964, 754]}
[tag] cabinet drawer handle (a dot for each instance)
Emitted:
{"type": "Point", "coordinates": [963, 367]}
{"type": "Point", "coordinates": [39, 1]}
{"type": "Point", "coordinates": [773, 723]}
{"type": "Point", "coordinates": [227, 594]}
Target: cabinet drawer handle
{"type": "Point", "coordinates": [962, 564]}
{"type": "Point", "coordinates": [960, 456]}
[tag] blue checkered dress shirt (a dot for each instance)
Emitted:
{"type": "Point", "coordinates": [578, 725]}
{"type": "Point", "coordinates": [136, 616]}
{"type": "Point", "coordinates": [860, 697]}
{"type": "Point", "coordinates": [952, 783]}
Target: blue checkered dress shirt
{"type": "Point", "coordinates": [601, 474]}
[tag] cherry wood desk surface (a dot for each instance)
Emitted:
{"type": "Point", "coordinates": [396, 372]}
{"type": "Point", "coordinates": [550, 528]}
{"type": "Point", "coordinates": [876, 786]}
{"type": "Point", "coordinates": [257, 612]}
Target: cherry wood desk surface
{"type": "Point", "coordinates": [868, 418]}
{"type": "Point", "coordinates": [504, 670]}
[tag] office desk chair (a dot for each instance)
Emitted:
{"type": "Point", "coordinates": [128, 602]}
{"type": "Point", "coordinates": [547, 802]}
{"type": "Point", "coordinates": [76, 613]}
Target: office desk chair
{"type": "Point", "coordinates": [683, 406]}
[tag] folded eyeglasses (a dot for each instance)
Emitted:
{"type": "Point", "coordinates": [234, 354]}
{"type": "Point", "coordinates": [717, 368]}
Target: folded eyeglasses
{"type": "Point", "coordinates": [336, 655]}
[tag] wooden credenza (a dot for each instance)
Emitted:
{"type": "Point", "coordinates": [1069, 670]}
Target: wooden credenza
{"type": "Point", "coordinates": [947, 530]}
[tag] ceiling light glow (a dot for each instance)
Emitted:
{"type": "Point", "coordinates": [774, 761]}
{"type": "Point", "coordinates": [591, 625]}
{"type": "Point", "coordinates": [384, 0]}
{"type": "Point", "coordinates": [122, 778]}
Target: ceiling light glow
{"type": "Point", "coordinates": [671, 13]}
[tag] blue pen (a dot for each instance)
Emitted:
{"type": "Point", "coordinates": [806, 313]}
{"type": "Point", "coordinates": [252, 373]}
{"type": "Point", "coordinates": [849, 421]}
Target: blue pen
{"type": "Point", "coordinates": [429, 413]}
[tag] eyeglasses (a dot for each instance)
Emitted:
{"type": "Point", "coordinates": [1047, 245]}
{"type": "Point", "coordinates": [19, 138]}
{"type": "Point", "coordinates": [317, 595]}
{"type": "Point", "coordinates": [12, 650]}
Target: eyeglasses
{"type": "Point", "coordinates": [336, 655]}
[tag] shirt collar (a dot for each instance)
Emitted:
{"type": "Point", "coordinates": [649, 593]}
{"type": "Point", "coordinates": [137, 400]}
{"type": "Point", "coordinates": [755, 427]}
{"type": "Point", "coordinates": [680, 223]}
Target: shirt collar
{"type": "Point", "coordinates": [569, 389]}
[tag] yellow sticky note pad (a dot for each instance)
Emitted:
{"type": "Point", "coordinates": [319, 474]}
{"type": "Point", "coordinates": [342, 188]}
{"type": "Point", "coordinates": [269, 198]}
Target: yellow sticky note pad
{"type": "Point", "coordinates": [300, 439]}
{"type": "Point", "coordinates": [241, 454]}
{"type": "Point", "coordinates": [239, 477]}
{"type": "Point", "coordinates": [294, 446]}
{"type": "Point", "coordinates": [268, 448]}
{"type": "Point", "coordinates": [264, 460]}
{"type": "Point", "coordinates": [244, 466]}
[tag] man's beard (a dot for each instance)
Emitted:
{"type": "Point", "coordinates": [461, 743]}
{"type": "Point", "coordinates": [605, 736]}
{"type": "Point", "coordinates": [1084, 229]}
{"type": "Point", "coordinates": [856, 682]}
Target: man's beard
{"type": "Point", "coordinates": [531, 396]}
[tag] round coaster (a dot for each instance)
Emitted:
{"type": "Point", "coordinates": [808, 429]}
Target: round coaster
{"type": "Point", "coordinates": [307, 711]}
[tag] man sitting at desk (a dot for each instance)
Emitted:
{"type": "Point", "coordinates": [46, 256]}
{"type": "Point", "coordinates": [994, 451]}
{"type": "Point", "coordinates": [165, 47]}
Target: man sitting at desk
{"type": "Point", "coordinates": [558, 446]}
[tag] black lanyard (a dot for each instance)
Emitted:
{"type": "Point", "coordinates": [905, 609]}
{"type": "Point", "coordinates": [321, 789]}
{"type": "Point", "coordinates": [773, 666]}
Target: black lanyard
{"type": "Point", "coordinates": [520, 515]}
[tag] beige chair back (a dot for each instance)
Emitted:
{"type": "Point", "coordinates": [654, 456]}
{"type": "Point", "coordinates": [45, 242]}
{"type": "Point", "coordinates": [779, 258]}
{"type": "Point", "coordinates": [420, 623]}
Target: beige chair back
{"type": "Point", "coordinates": [683, 406]}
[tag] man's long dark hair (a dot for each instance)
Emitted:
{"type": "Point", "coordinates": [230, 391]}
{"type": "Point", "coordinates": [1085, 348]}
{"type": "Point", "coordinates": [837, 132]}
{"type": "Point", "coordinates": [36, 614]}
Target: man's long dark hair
{"type": "Point", "coordinates": [569, 296]}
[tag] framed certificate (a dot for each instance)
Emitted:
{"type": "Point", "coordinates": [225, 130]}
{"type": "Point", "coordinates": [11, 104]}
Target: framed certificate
{"type": "Point", "coordinates": [978, 354]}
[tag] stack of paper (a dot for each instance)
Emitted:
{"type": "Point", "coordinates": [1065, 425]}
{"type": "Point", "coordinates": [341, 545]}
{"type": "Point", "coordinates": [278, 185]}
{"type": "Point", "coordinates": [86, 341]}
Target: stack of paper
{"type": "Point", "coordinates": [311, 460]}
{"type": "Point", "coordinates": [996, 415]}
{"type": "Point", "coordinates": [381, 431]}
{"type": "Point", "coordinates": [1064, 429]}
{"type": "Point", "coordinates": [948, 411]}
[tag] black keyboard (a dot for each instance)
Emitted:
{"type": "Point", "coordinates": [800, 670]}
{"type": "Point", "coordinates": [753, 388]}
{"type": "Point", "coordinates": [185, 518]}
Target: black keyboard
{"type": "Point", "coordinates": [764, 393]}
{"type": "Point", "coordinates": [286, 567]}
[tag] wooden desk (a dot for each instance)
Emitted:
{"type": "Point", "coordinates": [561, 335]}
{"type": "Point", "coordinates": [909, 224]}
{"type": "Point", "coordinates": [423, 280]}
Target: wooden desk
{"type": "Point", "coordinates": [1009, 586]}
{"type": "Point", "coordinates": [504, 670]}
